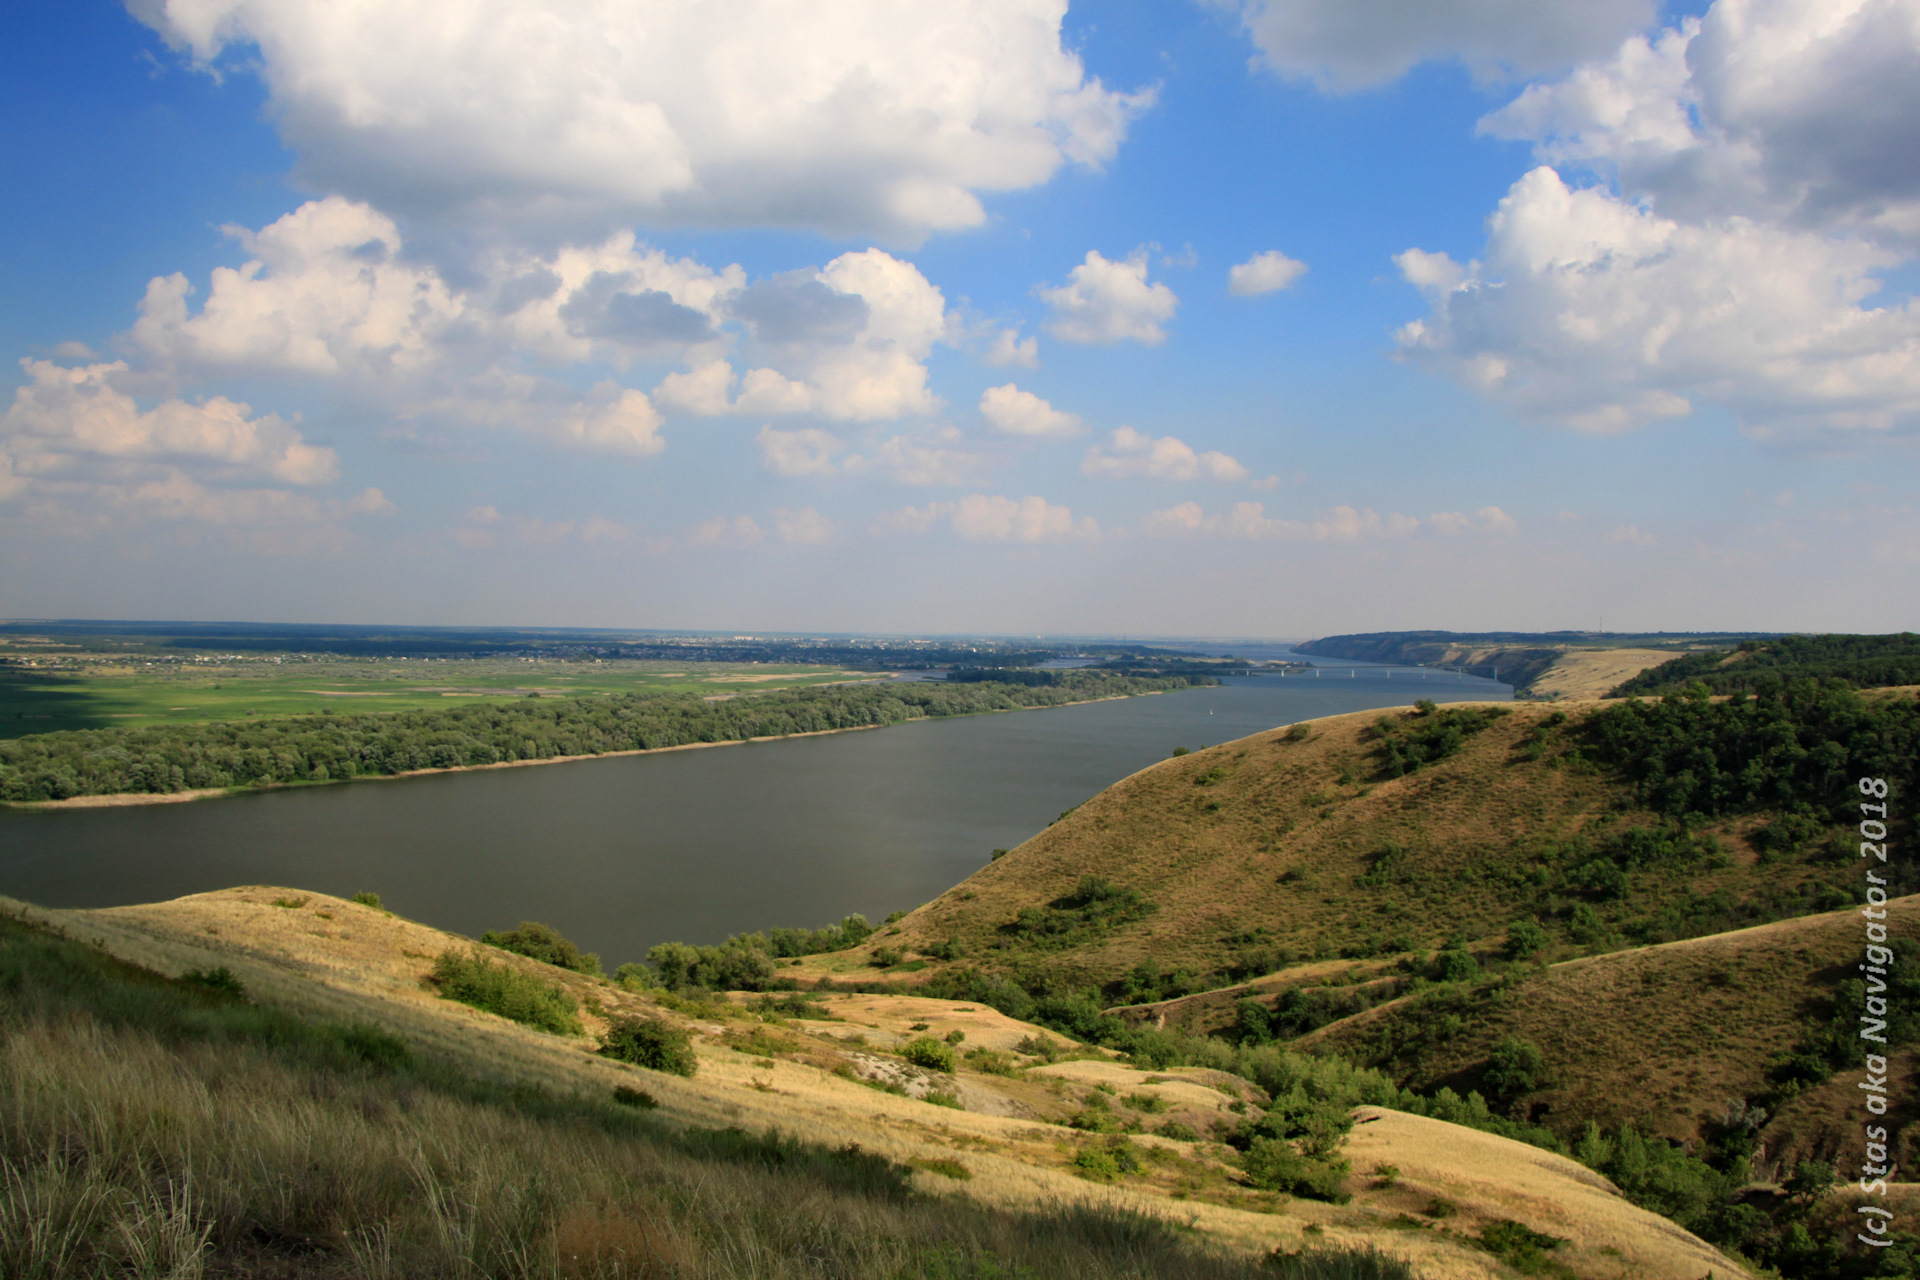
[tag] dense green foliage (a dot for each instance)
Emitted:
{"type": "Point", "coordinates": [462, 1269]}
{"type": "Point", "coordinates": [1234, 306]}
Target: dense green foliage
{"type": "Point", "coordinates": [543, 942]}
{"type": "Point", "coordinates": [55, 766]}
{"type": "Point", "coordinates": [1804, 742]}
{"type": "Point", "coordinates": [486, 984]}
{"type": "Point", "coordinates": [651, 1043]}
{"type": "Point", "coordinates": [1863, 661]}
{"type": "Point", "coordinates": [1426, 734]}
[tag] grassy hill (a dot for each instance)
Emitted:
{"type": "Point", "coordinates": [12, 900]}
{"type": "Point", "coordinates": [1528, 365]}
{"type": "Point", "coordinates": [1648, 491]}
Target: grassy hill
{"type": "Point", "coordinates": [1292, 846]}
{"type": "Point", "coordinates": [266, 1082]}
{"type": "Point", "coordinates": [1608, 927]}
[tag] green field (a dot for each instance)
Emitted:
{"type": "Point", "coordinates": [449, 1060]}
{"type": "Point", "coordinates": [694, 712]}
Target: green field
{"type": "Point", "coordinates": [103, 692]}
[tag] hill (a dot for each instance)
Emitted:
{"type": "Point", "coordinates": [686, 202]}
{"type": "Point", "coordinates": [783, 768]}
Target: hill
{"type": "Point", "coordinates": [1526, 660]}
{"type": "Point", "coordinates": [277, 1089]}
{"type": "Point", "coordinates": [1297, 845]}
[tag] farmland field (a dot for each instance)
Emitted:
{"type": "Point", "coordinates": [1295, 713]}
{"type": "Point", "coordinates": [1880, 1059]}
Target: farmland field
{"type": "Point", "coordinates": [98, 692]}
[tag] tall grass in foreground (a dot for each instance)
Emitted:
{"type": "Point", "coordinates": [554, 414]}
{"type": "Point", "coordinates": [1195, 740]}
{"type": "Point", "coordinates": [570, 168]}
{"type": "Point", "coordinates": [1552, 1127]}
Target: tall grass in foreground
{"type": "Point", "coordinates": [151, 1128]}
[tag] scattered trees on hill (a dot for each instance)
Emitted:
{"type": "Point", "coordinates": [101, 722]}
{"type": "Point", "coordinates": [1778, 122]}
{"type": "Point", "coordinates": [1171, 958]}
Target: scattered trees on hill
{"type": "Point", "coordinates": [543, 942]}
{"type": "Point", "coordinates": [1426, 735]}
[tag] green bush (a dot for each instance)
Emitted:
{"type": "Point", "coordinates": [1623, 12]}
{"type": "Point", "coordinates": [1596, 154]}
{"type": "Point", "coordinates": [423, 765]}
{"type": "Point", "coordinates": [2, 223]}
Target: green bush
{"type": "Point", "coordinates": [1525, 938]}
{"type": "Point", "coordinates": [543, 942]}
{"type": "Point", "coordinates": [934, 1055]}
{"type": "Point", "coordinates": [639, 1099]}
{"type": "Point", "coordinates": [1514, 1069]}
{"type": "Point", "coordinates": [367, 899]}
{"type": "Point", "coordinates": [651, 1043]}
{"type": "Point", "coordinates": [473, 979]}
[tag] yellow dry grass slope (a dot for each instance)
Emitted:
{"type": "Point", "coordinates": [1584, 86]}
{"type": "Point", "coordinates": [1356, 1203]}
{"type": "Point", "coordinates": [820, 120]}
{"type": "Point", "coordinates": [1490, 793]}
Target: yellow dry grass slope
{"type": "Point", "coordinates": [324, 957]}
{"type": "Point", "coordinates": [1590, 673]}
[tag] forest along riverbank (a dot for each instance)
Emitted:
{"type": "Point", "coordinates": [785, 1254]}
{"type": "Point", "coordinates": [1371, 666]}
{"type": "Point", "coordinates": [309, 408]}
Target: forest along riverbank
{"type": "Point", "coordinates": [212, 759]}
{"type": "Point", "coordinates": [624, 852]}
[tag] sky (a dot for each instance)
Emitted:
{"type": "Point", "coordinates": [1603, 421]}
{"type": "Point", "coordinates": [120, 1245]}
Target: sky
{"type": "Point", "coordinates": [1272, 318]}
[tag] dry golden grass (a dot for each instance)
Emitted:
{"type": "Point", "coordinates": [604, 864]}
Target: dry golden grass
{"type": "Point", "coordinates": [364, 965]}
{"type": "Point", "coordinates": [1486, 1179]}
{"type": "Point", "coordinates": [1590, 673]}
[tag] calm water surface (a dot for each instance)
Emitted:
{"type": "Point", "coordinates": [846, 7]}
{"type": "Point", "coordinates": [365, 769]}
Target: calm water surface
{"type": "Point", "coordinates": [626, 852]}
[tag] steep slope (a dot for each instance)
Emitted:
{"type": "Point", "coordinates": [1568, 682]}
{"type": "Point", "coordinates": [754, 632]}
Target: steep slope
{"type": "Point", "coordinates": [323, 957]}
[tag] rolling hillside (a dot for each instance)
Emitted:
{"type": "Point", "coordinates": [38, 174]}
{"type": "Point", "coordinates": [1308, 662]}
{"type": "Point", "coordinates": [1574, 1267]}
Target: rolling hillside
{"type": "Point", "coordinates": [1289, 846]}
{"type": "Point", "coordinates": [521, 1164]}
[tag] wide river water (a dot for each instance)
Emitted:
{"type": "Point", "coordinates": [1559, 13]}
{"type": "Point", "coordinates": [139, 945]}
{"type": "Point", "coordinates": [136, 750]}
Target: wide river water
{"type": "Point", "coordinates": [624, 852]}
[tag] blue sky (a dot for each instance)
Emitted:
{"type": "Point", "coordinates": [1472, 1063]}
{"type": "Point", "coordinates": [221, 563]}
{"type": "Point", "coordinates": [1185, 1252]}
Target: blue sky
{"type": "Point", "coordinates": [862, 316]}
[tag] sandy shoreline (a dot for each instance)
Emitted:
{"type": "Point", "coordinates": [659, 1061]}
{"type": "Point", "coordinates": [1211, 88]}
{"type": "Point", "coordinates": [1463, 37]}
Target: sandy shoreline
{"type": "Point", "coordinates": [125, 798]}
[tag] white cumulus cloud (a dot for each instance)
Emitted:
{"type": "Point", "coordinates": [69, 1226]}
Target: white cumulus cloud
{"type": "Point", "coordinates": [1021, 413]}
{"type": "Point", "coordinates": [1134, 454]}
{"type": "Point", "coordinates": [79, 425]}
{"type": "Point", "coordinates": [1756, 187]}
{"type": "Point", "coordinates": [1351, 44]}
{"type": "Point", "coordinates": [1249, 520]}
{"type": "Point", "coordinates": [1105, 301]}
{"type": "Point", "coordinates": [1263, 273]}
{"type": "Point", "coordinates": [858, 116]}
{"type": "Point", "coordinates": [1598, 313]}
{"type": "Point", "coordinates": [980, 517]}
{"type": "Point", "coordinates": [804, 525]}
{"type": "Point", "coordinates": [806, 452]}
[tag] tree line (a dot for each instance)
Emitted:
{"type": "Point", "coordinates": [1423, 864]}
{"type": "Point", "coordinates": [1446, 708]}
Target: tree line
{"type": "Point", "coordinates": [329, 746]}
{"type": "Point", "coordinates": [1863, 661]}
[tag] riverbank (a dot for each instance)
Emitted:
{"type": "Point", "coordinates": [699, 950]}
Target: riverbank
{"type": "Point", "coordinates": [126, 799]}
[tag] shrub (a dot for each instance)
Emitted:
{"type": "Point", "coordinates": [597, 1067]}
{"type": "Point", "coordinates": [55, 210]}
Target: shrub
{"type": "Point", "coordinates": [634, 977]}
{"type": "Point", "coordinates": [639, 1099]}
{"type": "Point", "coordinates": [373, 1046]}
{"type": "Point", "coordinates": [1096, 1165]}
{"type": "Point", "coordinates": [1514, 1069]}
{"type": "Point", "coordinates": [1524, 938]}
{"type": "Point", "coordinates": [885, 957]}
{"type": "Point", "coordinates": [650, 1043]}
{"type": "Point", "coordinates": [543, 942]}
{"type": "Point", "coordinates": [1455, 964]}
{"type": "Point", "coordinates": [366, 898]}
{"type": "Point", "coordinates": [945, 1168]}
{"type": "Point", "coordinates": [934, 1055]}
{"type": "Point", "coordinates": [475, 980]}
{"type": "Point", "coordinates": [221, 980]}
{"type": "Point", "coordinates": [1299, 732]}
{"type": "Point", "coordinates": [940, 1098]}
{"type": "Point", "coordinates": [991, 1061]}
{"type": "Point", "coordinates": [1177, 1132]}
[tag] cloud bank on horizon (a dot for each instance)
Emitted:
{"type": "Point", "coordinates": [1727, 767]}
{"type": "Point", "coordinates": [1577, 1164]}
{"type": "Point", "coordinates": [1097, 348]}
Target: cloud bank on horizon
{"type": "Point", "coordinates": [720, 303]}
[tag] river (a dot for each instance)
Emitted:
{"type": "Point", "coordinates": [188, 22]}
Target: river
{"type": "Point", "coordinates": [624, 852]}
